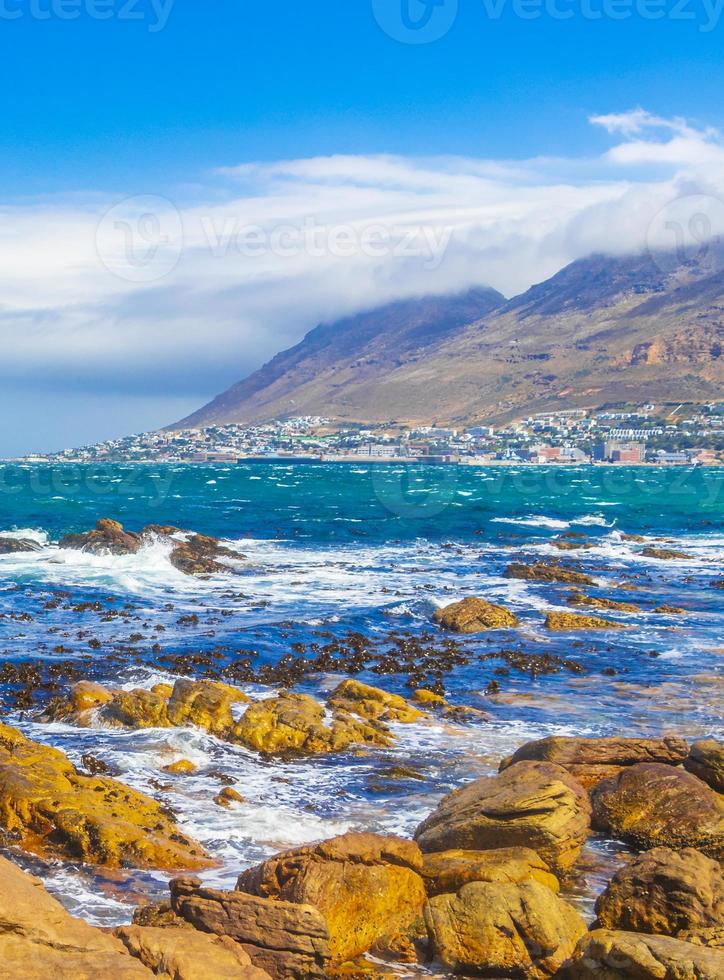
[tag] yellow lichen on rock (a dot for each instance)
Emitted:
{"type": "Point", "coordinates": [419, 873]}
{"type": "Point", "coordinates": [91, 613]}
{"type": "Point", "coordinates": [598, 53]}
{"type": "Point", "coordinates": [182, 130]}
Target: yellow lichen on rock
{"type": "Point", "coordinates": [296, 723]}
{"type": "Point", "coordinates": [473, 615]}
{"type": "Point", "coordinates": [372, 703]}
{"type": "Point", "coordinates": [56, 810]}
{"type": "Point", "coordinates": [562, 622]}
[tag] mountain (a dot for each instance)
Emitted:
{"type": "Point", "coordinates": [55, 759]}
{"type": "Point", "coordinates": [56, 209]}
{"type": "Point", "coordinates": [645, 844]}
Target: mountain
{"type": "Point", "coordinates": [603, 329]}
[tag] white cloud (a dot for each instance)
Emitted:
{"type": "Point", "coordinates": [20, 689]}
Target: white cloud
{"type": "Point", "coordinates": [221, 309]}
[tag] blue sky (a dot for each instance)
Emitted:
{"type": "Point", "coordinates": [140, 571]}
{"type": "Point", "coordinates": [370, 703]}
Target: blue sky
{"type": "Point", "coordinates": [175, 100]}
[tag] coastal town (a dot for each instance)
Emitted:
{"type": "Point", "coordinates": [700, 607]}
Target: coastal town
{"type": "Point", "coordinates": [682, 435]}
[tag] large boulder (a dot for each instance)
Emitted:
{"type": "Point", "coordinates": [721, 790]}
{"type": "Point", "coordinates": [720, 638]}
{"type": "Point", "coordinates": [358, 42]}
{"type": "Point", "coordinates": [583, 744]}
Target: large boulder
{"type": "Point", "coordinates": [367, 887]}
{"type": "Point", "coordinates": [473, 615]}
{"type": "Point", "coordinates": [107, 538]}
{"type": "Point", "coordinates": [532, 804]}
{"type": "Point", "coordinates": [605, 954]}
{"type": "Point", "coordinates": [287, 940]}
{"type": "Point", "coordinates": [51, 808]}
{"type": "Point", "coordinates": [297, 724]}
{"type": "Point", "coordinates": [372, 703]}
{"type": "Point", "coordinates": [446, 872]}
{"type": "Point", "coordinates": [664, 892]}
{"type": "Point", "coordinates": [651, 805]}
{"type": "Point", "coordinates": [186, 954]}
{"type": "Point", "coordinates": [706, 760]}
{"type": "Point", "coordinates": [503, 930]}
{"type": "Point", "coordinates": [39, 939]}
{"type": "Point", "coordinates": [591, 760]}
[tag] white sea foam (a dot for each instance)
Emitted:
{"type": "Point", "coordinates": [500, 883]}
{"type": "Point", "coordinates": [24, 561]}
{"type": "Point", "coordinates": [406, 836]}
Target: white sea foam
{"type": "Point", "coordinates": [533, 521]}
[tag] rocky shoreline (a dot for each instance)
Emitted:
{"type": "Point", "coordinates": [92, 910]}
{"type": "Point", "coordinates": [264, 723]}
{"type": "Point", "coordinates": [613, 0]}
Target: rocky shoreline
{"type": "Point", "coordinates": [483, 888]}
{"type": "Point", "coordinates": [477, 892]}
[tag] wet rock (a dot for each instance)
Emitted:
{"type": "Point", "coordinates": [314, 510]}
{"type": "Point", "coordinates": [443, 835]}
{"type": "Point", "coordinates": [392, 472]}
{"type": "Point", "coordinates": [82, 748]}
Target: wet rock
{"type": "Point", "coordinates": [185, 954]}
{"type": "Point", "coordinates": [287, 940]}
{"type": "Point", "coordinates": [666, 554]}
{"type": "Point", "coordinates": [706, 760]}
{"type": "Point", "coordinates": [610, 955]}
{"type": "Point", "coordinates": [665, 892]}
{"type": "Point", "coordinates": [98, 820]}
{"type": "Point", "coordinates": [199, 556]}
{"type": "Point", "coordinates": [108, 538]}
{"type": "Point", "coordinates": [562, 622]}
{"type": "Point", "coordinates": [503, 930]}
{"type": "Point", "coordinates": [372, 703]}
{"type": "Point", "coordinates": [591, 760]}
{"type": "Point", "coordinates": [205, 704]}
{"type": "Point", "coordinates": [473, 615]}
{"type": "Point", "coordinates": [669, 610]}
{"type": "Point", "coordinates": [296, 723]}
{"type": "Point", "coordinates": [93, 766]}
{"type": "Point", "coordinates": [651, 805]}
{"type": "Point", "coordinates": [39, 939]}
{"type": "Point", "coordinates": [367, 887]}
{"type": "Point", "coordinates": [426, 699]}
{"type": "Point", "coordinates": [84, 698]}
{"type": "Point", "coordinates": [579, 599]}
{"type": "Point", "coordinates": [183, 767]}
{"type": "Point", "coordinates": [532, 804]}
{"type": "Point", "coordinates": [136, 709]}
{"type": "Point", "coordinates": [548, 572]}
{"type": "Point", "coordinates": [445, 872]}
{"type": "Point", "coordinates": [17, 546]}
{"type": "Point", "coordinates": [228, 796]}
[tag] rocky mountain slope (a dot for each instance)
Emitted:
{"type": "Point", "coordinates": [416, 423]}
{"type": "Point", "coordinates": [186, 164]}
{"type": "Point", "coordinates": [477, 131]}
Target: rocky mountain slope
{"type": "Point", "coordinates": [603, 329]}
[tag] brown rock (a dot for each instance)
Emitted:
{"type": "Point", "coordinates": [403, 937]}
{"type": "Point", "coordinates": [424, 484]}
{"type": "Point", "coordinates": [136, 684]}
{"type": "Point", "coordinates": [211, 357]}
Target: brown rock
{"type": "Point", "coordinates": [94, 819]}
{"type": "Point", "coordinates": [666, 554]}
{"type": "Point", "coordinates": [296, 724]}
{"type": "Point", "coordinates": [664, 892]}
{"type": "Point", "coordinates": [199, 555]}
{"type": "Point", "coordinates": [108, 538]}
{"type": "Point", "coordinates": [17, 546]}
{"type": "Point", "coordinates": [578, 599]}
{"type": "Point", "coordinates": [136, 709]}
{"type": "Point", "coordinates": [473, 615]}
{"type": "Point", "coordinates": [548, 572]}
{"type": "Point", "coordinates": [532, 804]}
{"type": "Point", "coordinates": [669, 610]}
{"type": "Point", "coordinates": [503, 930]}
{"type": "Point", "coordinates": [562, 622]}
{"type": "Point", "coordinates": [186, 954]}
{"type": "Point", "coordinates": [39, 940]}
{"type": "Point", "coordinates": [367, 887]}
{"type": "Point", "coordinates": [289, 941]}
{"type": "Point", "coordinates": [372, 703]}
{"type": "Point", "coordinates": [592, 759]}
{"type": "Point", "coordinates": [84, 698]}
{"type": "Point", "coordinates": [651, 805]}
{"type": "Point", "coordinates": [205, 704]}
{"type": "Point", "coordinates": [446, 872]}
{"type": "Point", "coordinates": [706, 760]}
{"type": "Point", "coordinates": [608, 955]}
